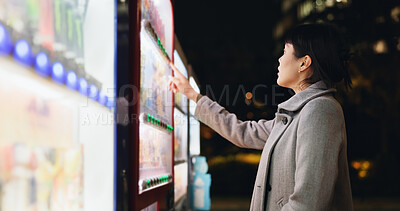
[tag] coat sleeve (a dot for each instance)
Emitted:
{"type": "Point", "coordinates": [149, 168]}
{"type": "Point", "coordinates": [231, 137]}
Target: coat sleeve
{"type": "Point", "coordinates": [320, 141]}
{"type": "Point", "coordinates": [246, 134]}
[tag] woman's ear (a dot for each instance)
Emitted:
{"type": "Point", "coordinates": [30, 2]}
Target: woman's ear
{"type": "Point", "coordinates": [305, 62]}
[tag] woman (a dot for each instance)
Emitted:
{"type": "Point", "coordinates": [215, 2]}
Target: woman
{"type": "Point", "coordinates": [303, 164]}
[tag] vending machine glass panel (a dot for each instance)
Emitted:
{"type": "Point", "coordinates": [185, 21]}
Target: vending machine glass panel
{"type": "Point", "coordinates": [56, 125]}
{"type": "Point", "coordinates": [181, 136]}
{"type": "Point", "coordinates": [194, 136]}
{"type": "Point", "coordinates": [181, 180]}
{"type": "Point", "coordinates": [181, 100]}
{"type": "Point", "coordinates": [156, 102]}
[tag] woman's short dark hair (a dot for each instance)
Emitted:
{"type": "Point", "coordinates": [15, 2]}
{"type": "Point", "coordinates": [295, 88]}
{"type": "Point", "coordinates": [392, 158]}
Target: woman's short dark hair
{"type": "Point", "coordinates": [329, 53]}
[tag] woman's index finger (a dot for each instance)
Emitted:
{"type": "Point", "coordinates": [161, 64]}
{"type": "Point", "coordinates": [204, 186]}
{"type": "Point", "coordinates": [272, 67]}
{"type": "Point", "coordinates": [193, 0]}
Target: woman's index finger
{"type": "Point", "coordinates": [176, 71]}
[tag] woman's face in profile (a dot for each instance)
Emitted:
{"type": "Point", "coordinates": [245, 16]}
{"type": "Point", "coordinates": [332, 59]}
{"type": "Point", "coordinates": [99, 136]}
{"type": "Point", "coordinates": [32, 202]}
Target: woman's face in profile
{"type": "Point", "coordinates": [288, 66]}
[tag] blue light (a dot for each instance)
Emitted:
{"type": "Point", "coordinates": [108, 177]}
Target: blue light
{"type": "Point", "coordinates": [103, 99]}
{"type": "Point", "coordinates": [83, 87]}
{"type": "Point", "coordinates": [5, 41]}
{"type": "Point", "coordinates": [58, 73]}
{"type": "Point", "coordinates": [42, 64]}
{"type": "Point", "coordinates": [23, 52]}
{"type": "Point", "coordinates": [72, 80]}
{"type": "Point", "coordinates": [110, 104]}
{"type": "Point", "coordinates": [93, 92]}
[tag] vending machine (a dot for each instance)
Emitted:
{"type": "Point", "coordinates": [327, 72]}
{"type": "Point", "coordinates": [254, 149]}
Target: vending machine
{"type": "Point", "coordinates": [57, 68]}
{"type": "Point", "coordinates": [150, 142]}
{"type": "Point", "coordinates": [181, 139]}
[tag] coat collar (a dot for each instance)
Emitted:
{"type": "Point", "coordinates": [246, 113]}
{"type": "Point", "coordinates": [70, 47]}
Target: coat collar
{"type": "Point", "coordinates": [298, 100]}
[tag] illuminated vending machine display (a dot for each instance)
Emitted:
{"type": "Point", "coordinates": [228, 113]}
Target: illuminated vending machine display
{"type": "Point", "coordinates": [181, 139]}
{"type": "Point", "coordinates": [153, 132]}
{"type": "Point", "coordinates": [57, 94]}
{"type": "Point", "coordinates": [194, 124]}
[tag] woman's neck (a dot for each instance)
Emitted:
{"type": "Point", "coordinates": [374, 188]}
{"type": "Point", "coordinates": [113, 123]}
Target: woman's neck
{"type": "Point", "coordinates": [301, 87]}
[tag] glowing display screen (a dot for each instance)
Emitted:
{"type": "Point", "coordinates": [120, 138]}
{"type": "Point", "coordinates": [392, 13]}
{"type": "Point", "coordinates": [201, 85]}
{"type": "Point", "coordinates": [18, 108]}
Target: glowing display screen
{"type": "Point", "coordinates": [56, 133]}
{"type": "Point", "coordinates": [156, 107]}
{"type": "Point", "coordinates": [181, 136]}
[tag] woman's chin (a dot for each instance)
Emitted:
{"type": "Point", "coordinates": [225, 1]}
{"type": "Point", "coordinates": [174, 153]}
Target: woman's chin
{"type": "Point", "coordinates": [278, 82]}
{"type": "Point", "coordinates": [281, 83]}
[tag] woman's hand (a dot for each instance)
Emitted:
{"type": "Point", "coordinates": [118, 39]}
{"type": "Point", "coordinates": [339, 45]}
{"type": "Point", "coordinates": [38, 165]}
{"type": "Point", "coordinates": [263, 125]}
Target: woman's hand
{"type": "Point", "coordinates": [179, 83]}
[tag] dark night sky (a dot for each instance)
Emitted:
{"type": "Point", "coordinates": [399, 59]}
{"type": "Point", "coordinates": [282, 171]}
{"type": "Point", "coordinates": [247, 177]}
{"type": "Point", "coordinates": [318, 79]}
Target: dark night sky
{"type": "Point", "coordinates": [228, 43]}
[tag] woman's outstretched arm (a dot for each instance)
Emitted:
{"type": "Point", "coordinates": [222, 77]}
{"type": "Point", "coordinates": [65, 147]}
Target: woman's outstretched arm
{"type": "Point", "coordinates": [246, 134]}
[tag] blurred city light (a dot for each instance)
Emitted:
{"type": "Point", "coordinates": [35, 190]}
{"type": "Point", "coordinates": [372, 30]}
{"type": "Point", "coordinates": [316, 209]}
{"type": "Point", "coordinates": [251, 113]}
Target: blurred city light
{"type": "Point", "coordinates": [395, 14]}
{"type": "Point", "coordinates": [249, 158]}
{"type": "Point", "coordinates": [362, 167]}
{"type": "Point", "coordinates": [380, 47]}
{"type": "Point", "coordinates": [249, 95]}
{"type": "Point", "coordinates": [356, 165]}
{"type": "Point", "coordinates": [362, 174]}
{"type": "Point", "coordinates": [305, 9]}
{"type": "Point", "coordinates": [365, 165]}
{"type": "Point", "coordinates": [330, 3]}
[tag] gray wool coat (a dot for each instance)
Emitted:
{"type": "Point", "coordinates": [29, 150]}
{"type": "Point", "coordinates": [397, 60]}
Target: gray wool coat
{"type": "Point", "coordinates": [303, 163]}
